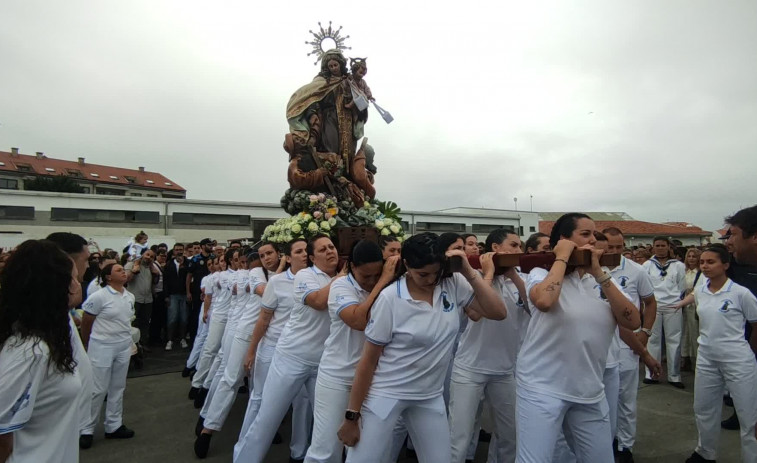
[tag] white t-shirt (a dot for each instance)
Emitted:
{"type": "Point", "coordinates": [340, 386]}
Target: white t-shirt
{"type": "Point", "coordinates": [221, 291]}
{"type": "Point", "coordinates": [565, 350]}
{"type": "Point", "coordinates": [84, 370]}
{"type": "Point", "coordinates": [38, 404]}
{"type": "Point", "coordinates": [249, 313]}
{"type": "Point", "coordinates": [279, 297]}
{"type": "Point", "coordinates": [669, 281]}
{"type": "Point", "coordinates": [113, 312]}
{"type": "Point", "coordinates": [344, 345]}
{"type": "Point", "coordinates": [307, 328]}
{"type": "Point", "coordinates": [491, 346]}
{"type": "Point", "coordinates": [417, 338]}
{"type": "Point", "coordinates": [722, 316]}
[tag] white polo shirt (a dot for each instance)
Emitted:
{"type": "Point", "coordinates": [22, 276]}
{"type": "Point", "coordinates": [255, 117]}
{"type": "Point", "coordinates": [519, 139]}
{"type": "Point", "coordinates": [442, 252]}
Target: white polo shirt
{"type": "Point", "coordinates": [307, 328]}
{"type": "Point", "coordinates": [113, 312]}
{"type": "Point", "coordinates": [722, 316]}
{"type": "Point", "coordinates": [38, 404]}
{"type": "Point", "coordinates": [565, 350]}
{"type": "Point", "coordinates": [669, 281]}
{"type": "Point", "coordinates": [248, 314]}
{"type": "Point", "coordinates": [344, 345]}
{"type": "Point", "coordinates": [417, 338]}
{"type": "Point", "coordinates": [222, 286]}
{"type": "Point", "coordinates": [279, 297]}
{"type": "Point", "coordinates": [491, 346]}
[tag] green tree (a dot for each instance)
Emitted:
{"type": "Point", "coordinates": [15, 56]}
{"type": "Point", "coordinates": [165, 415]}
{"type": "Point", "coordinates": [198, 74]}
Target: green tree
{"type": "Point", "coordinates": [59, 183]}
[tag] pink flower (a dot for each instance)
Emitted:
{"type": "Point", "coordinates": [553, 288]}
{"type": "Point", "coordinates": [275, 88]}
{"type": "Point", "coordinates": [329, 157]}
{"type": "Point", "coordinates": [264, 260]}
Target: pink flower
{"type": "Point", "coordinates": [327, 216]}
{"type": "Point", "coordinates": [317, 214]}
{"type": "Point", "coordinates": [314, 198]}
{"type": "Point", "coordinates": [321, 196]}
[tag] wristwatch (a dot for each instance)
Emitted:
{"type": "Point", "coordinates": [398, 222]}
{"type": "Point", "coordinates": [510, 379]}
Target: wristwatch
{"type": "Point", "coordinates": [351, 415]}
{"type": "Point", "coordinates": [647, 331]}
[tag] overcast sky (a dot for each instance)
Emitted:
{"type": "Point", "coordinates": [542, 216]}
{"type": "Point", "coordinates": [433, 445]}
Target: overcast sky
{"type": "Point", "coordinates": [646, 107]}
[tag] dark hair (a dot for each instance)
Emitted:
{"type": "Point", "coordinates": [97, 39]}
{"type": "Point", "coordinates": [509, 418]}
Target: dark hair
{"type": "Point", "coordinates": [338, 57]}
{"type": "Point", "coordinates": [106, 271]}
{"type": "Point", "coordinates": [311, 245]}
{"type": "Point", "coordinates": [661, 238]}
{"type": "Point", "coordinates": [746, 220]}
{"type": "Point", "coordinates": [423, 249]}
{"type": "Point", "coordinates": [26, 311]}
{"type": "Point", "coordinates": [599, 236]}
{"type": "Point", "coordinates": [194, 243]}
{"type": "Point", "coordinates": [267, 243]}
{"type": "Point", "coordinates": [70, 243]}
{"type": "Point", "coordinates": [612, 231]}
{"type": "Point", "coordinates": [446, 240]}
{"type": "Point", "coordinates": [177, 244]}
{"type": "Point", "coordinates": [720, 250]}
{"type": "Point", "coordinates": [497, 236]}
{"type": "Point", "coordinates": [139, 236]}
{"type": "Point", "coordinates": [288, 246]}
{"type": "Point", "coordinates": [229, 255]}
{"type": "Point", "coordinates": [386, 239]}
{"type": "Point", "coordinates": [564, 226]}
{"type": "Point", "coordinates": [533, 241]}
{"type": "Point", "coordinates": [364, 252]}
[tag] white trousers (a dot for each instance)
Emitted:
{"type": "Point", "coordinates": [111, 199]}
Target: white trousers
{"type": "Point", "coordinates": [209, 351]}
{"type": "Point", "coordinates": [611, 380]}
{"type": "Point", "coordinates": [199, 343]}
{"type": "Point", "coordinates": [467, 391]}
{"type": "Point", "coordinates": [541, 417]}
{"type": "Point", "coordinates": [286, 378]}
{"type": "Point", "coordinates": [629, 390]}
{"type": "Point", "coordinates": [110, 364]}
{"type": "Point", "coordinates": [426, 421]}
{"type": "Point", "coordinates": [670, 322]}
{"type": "Point", "coordinates": [217, 368]}
{"type": "Point", "coordinates": [231, 378]}
{"type": "Point", "coordinates": [709, 383]}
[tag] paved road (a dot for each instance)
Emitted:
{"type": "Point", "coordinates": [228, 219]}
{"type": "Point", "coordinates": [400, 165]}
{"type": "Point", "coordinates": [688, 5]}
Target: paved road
{"type": "Point", "coordinates": [156, 407]}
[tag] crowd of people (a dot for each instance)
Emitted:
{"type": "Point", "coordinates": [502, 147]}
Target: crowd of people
{"type": "Point", "coordinates": [394, 348]}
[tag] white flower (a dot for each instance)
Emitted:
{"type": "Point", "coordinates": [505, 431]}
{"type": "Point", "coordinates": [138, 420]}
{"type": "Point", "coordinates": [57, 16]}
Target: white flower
{"type": "Point", "coordinates": [388, 222]}
{"type": "Point", "coordinates": [296, 228]}
{"type": "Point", "coordinates": [325, 226]}
{"type": "Point", "coordinates": [385, 231]}
{"type": "Point", "coordinates": [379, 224]}
{"type": "Point", "coordinates": [313, 227]}
{"type": "Point", "coordinates": [307, 217]}
{"type": "Point", "coordinates": [394, 228]}
{"type": "Point", "coordinates": [332, 221]}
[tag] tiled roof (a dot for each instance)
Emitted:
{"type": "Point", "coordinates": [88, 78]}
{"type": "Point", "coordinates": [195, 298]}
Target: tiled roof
{"type": "Point", "coordinates": [42, 165]}
{"type": "Point", "coordinates": [607, 216]}
{"type": "Point", "coordinates": [637, 227]}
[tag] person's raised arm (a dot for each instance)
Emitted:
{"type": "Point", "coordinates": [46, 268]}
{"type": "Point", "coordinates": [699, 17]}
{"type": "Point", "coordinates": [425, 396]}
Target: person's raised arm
{"type": "Point", "coordinates": [486, 300]}
{"type": "Point", "coordinates": [319, 299]}
{"type": "Point", "coordinates": [356, 315]}
{"type": "Point", "coordinates": [625, 313]}
{"type": "Point", "coordinates": [545, 294]}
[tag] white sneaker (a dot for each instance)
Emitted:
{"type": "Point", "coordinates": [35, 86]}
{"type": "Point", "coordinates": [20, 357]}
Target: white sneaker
{"type": "Point", "coordinates": [184, 344]}
{"type": "Point", "coordinates": [169, 345]}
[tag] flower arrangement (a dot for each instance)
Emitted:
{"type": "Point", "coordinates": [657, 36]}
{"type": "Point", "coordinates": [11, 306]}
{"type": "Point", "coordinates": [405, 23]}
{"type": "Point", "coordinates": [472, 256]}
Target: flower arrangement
{"type": "Point", "coordinates": [319, 213]}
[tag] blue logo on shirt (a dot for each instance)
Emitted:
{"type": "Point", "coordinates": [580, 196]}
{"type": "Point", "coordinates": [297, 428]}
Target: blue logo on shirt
{"type": "Point", "coordinates": [339, 298]}
{"type": "Point", "coordinates": [448, 306]}
{"type": "Point", "coordinates": [724, 308]}
{"type": "Point", "coordinates": [623, 280]}
{"type": "Point", "coordinates": [601, 293]}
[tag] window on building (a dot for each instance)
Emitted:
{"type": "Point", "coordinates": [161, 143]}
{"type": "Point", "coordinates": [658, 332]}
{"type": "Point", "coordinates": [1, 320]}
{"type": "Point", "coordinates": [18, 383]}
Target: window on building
{"type": "Point", "coordinates": [17, 212]}
{"type": "Point", "coordinates": [440, 227]}
{"type": "Point", "coordinates": [532, 229]}
{"type": "Point", "coordinates": [113, 177]}
{"type": "Point", "coordinates": [49, 169]}
{"type": "Point", "coordinates": [130, 179]}
{"type": "Point", "coordinates": [186, 218]}
{"type": "Point", "coordinates": [86, 189]}
{"type": "Point", "coordinates": [8, 184]}
{"type": "Point", "coordinates": [110, 191]}
{"type": "Point", "coordinates": [135, 194]}
{"type": "Point", "coordinates": [485, 229]}
{"type": "Point", "coordinates": [151, 196]}
{"type": "Point", "coordinates": [173, 196]}
{"type": "Point", "coordinates": [258, 226]}
{"type": "Point", "coordinates": [75, 173]}
{"type": "Point", "coordinates": [24, 168]}
{"type": "Point", "coordinates": [103, 215]}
